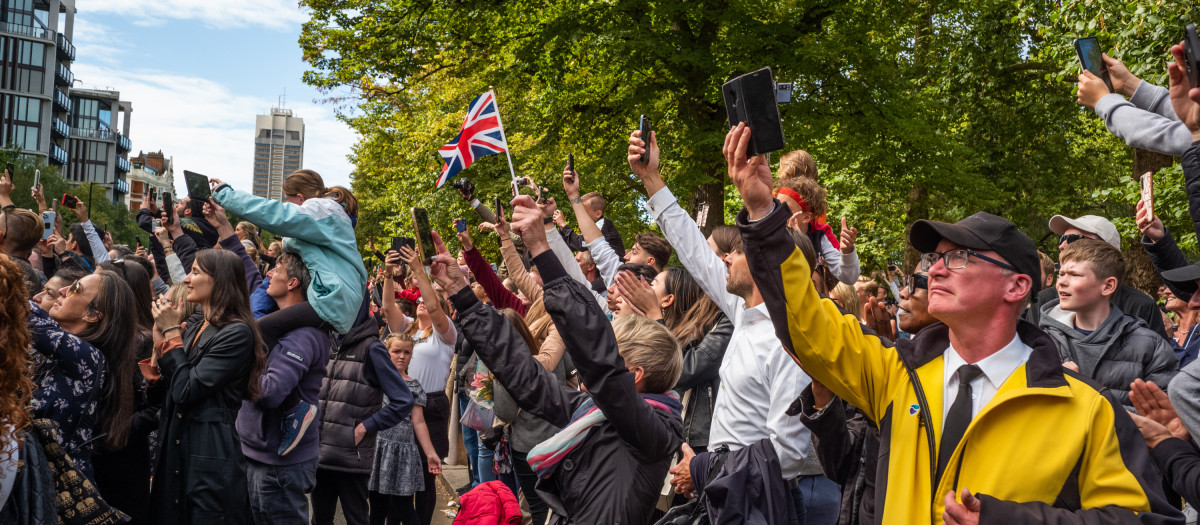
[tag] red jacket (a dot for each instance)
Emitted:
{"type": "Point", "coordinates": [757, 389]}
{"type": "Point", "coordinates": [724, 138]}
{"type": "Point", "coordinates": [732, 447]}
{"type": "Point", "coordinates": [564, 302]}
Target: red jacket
{"type": "Point", "coordinates": [491, 503]}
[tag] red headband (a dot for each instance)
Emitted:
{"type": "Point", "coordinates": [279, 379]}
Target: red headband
{"type": "Point", "coordinates": [794, 196]}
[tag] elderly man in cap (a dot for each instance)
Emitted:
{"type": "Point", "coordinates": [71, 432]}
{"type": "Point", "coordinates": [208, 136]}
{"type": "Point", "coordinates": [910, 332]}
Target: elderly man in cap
{"type": "Point", "coordinates": [979, 421]}
{"type": "Point", "coordinates": [1130, 300]}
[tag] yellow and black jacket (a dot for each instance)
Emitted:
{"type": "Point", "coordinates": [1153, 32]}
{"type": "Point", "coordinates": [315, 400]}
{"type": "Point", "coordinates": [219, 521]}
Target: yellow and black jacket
{"type": "Point", "coordinates": [1048, 448]}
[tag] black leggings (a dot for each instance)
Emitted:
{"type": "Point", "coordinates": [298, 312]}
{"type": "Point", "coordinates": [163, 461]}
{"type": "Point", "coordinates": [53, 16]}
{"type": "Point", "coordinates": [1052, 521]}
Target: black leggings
{"type": "Point", "coordinates": [274, 325]}
{"type": "Point", "coordinates": [437, 416]}
{"type": "Point", "coordinates": [527, 478]}
{"type": "Point", "coordinates": [393, 510]}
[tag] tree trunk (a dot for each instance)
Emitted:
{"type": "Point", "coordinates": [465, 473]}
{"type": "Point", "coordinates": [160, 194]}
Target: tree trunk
{"type": "Point", "coordinates": [916, 209]}
{"type": "Point", "coordinates": [1139, 271]}
{"type": "Point", "coordinates": [712, 194]}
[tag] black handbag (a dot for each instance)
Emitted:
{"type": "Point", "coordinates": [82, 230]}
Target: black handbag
{"type": "Point", "coordinates": [695, 512]}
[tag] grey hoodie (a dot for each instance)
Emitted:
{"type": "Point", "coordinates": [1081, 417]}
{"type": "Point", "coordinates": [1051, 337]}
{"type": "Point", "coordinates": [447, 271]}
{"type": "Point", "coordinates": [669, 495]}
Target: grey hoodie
{"type": "Point", "coordinates": [1120, 350]}
{"type": "Point", "coordinates": [1147, 120]}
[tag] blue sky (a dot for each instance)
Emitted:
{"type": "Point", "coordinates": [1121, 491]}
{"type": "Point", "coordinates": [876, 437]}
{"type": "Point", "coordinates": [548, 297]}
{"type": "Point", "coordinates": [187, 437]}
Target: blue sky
{"type": "Point", "coordinates": [197, 72]}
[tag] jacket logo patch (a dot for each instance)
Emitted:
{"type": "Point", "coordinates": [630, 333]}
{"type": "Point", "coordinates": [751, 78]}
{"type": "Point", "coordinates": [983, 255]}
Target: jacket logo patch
{"type": "Point", "coordinates": [295, 356]}
{"type": "Point", "coordinates": [914, 410]}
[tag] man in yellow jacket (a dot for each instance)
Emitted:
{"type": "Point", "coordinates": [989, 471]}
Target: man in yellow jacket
{"type": "Point", "coordinates": [979, 422]}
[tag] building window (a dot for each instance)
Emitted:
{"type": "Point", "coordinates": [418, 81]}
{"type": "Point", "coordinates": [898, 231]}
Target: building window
{"type": "Point", "coordinates": [31, 54]}
{"type": "Point", "coordinates": [266, 134]}
{"type": "Point", "coordinates": [293, 135]}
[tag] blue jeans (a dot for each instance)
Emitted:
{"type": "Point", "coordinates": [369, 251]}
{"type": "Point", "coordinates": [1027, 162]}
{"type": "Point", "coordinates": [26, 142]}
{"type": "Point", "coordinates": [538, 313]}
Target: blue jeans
{"type": "Point", "coordinates": [818, 500]}
{"type": "Point", "coordinates": [470, 441]}
{"type": "Point", "coordinates": [279, 493]}
{"type": "Point", "coordinates": [483, 464]}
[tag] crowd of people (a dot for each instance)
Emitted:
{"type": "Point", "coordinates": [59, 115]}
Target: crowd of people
{"type": "Point", "coordinates": [207, 378]}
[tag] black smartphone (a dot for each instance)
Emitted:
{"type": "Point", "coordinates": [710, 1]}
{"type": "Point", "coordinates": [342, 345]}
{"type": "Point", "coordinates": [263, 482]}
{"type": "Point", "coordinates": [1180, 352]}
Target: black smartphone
{"type": "Point", "coordinates": [69, 201]}
{"type": "Point", "coordinates": [499, 211]}
{"type": "Point", "coordinates": [646, 127]}
{"type": "Point", "coordinates": [460, 225]}
{"type": "Point", "coordinates": [9, 166]}
{"type": "Point", "coordinates": [400, 242]}
{"type": "Point", "coordinates": [1091, 57]}
{"type": "Point", "coordinates": [424, 234]}
{"type": "Point", "coordinates": [197, 186]}
{"type": "Point", "coordinates": [168, 205]}
{"type": "Point", "coordinates": [751, 98]}
{"type": "Point", "coordinates": [1191, 50]}
{"type": "Point", "coordinates": [571, 162]}
{"type": "Point", "coordinates": [153, 194]}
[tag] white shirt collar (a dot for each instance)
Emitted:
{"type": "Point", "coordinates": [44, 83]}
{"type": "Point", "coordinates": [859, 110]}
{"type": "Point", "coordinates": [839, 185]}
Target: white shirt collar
{"type": "Point", "coordinates": [996, 367]}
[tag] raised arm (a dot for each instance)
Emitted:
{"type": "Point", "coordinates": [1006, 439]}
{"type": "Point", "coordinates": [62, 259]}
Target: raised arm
{"type": "Point", "coordinates": [501, 297]}
{"type": "Point", "coordinates": [99, 253]}
{"type": "Point", "coordinates": [516, 267]}
{"type": "Point", "coordinates": [396, 320]}
{"type": "Point", "coordinates": [679, 229]}
{"type": "Point", "coordinates": [441, 321]}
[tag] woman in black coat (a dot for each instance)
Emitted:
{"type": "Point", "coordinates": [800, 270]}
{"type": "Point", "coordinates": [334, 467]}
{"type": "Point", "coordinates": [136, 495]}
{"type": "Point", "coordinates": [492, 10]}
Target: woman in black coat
{"type": "Point", "coordinates": [209, 367]}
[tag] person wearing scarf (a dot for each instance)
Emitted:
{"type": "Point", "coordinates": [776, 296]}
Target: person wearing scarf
{"type": "Point", "coordinates": [607, 464]}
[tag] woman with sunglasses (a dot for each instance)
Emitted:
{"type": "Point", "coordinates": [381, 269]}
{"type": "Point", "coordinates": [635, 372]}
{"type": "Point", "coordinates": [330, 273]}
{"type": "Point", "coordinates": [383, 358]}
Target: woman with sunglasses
{"type": "Point", "coordinates": [89, 324]}
{"type": "Point", "coordinates": [209, 367]}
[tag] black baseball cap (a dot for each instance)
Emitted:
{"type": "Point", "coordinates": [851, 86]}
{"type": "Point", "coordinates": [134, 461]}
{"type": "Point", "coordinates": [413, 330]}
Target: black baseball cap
{"type": "Point", "coordinates": [1185, 274]}
{"type": "Point", "coordinates": [981, 231]}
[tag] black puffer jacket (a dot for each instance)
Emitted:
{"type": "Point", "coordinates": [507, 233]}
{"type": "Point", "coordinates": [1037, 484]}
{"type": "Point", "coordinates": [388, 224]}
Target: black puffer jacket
{"type": "Point", "coordinates": [614, 475]}
{"type": "Point", "coordinates": [700, 380]}
{"type": "Point", "coordinates": [1120, 350]}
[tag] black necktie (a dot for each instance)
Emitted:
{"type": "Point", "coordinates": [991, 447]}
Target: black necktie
{"type": "Point", "coordinates": [958, 417]}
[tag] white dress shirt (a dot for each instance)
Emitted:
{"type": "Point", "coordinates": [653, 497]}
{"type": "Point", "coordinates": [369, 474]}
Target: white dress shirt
{"type": "Point", "coordinates": [996, 369]}
{"type": "Point", "coordinates": [759, 380]}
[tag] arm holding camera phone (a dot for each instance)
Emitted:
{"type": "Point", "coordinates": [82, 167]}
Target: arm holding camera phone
{"type": "Point", "coordinates": [99, 252]}
{"type": "Point", "coordinates": [442, 327]}
{"type": "Point", "coordinates": [1147, 120]}
{"type": "Point", "coordinates": [396, 320]}
{"type": "Point", "coordinates": [606, 259]}
{"type": "Point", "coordinates": [501, 296]}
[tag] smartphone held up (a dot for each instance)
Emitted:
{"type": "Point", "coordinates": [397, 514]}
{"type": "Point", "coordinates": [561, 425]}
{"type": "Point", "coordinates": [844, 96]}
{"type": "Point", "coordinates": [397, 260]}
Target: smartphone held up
{"type": "Point", "coordinates": [1091, 57]}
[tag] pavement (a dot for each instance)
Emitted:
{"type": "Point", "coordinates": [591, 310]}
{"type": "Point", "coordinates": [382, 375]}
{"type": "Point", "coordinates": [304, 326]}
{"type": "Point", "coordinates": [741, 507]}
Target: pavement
{"type": "Point", "coordinates": [454, 476]}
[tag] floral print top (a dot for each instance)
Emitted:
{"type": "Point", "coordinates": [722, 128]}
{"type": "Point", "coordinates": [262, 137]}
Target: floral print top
{"type": "Point", "coordinates": [69, 374]}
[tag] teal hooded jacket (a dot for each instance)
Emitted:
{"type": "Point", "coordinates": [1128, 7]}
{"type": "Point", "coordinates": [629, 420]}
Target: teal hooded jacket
{"type": "Point", "coordinates": [322, 234]}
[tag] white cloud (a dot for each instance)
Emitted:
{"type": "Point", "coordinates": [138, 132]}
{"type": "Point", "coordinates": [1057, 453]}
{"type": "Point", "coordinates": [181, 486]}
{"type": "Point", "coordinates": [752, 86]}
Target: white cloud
{"type": "Point", "coordinates": [102, 43]}
{"type": "Point", "coordinates": [217, 14]}
{"type": "Point", "coordinates": [209, 129]}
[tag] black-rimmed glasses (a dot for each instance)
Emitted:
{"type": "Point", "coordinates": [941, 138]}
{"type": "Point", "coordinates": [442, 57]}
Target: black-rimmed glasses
{"type": "Point", "coordinates": [957, 259]}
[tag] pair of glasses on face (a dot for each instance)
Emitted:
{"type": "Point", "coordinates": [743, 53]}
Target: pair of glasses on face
{"type": "Point", "coordinates": [915, 281]}
{"type": "Point", "coordinates": [74, 290]}
{"type": "Point", "coordinates": [957, 259]}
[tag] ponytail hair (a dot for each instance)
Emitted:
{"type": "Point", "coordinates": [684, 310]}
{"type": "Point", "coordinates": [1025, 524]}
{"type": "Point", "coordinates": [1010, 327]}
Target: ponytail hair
{"type": "Point", "coordinates": [344, 197]}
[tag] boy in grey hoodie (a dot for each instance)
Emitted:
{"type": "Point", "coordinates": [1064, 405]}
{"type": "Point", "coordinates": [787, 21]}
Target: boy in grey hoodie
{"type": "Point", "coordinates": [1093, 337]}
{"type": "Point", "coordinates": [1146, 121]}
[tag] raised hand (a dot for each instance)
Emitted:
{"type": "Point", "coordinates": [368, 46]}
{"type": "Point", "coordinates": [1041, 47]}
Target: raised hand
{"type": "Point", "coordinates": [799, 221]}
{"type": "Point", "coordinates": [848, 236]}
{"type": "Point", "coordinates": [464, 239]}
{"type": "Point", "coordinates": [445, 268]}
{"type": "Point", "coordinates": [215, 215]}
{"type": "Point", "coordinates": [1091, 89]}
{"type": "Point", "coordinates": [878, 318]}
{"type": "Point", "coordinates": [571, 183]}
{"type": "Point", "coordinates": [1151, 402]}
{"type": "Point", "coordinates": [6, 188]}
{"type": "Point", "coordinates": [1183, 94]}
{"type": "Point", "coordinates": [752, 176]}
{"type": "Point", "coordinates": [527, 222]}
{"type": "Point", "coordinates": [410, 256]}
{"type": "Point", "coordinates": [81, 211]}
{"type": "Point", "coordinates": [1122, 80]}
{"type": "Point", "coordinates": [559, 219]}
{"type": "Point", "coordinates": [39, 196]}
{"type": "Point", "coordinates": [1150, 226]}
{"type": "Point", "coordinates": [638, 146]}
{"type": "Point", "coordinates": [639, 295]}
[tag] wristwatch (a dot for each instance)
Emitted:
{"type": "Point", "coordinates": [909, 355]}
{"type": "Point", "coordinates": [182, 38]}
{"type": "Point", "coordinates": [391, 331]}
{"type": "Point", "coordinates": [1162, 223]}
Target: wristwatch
{"type": "Point", "coordinates": [547, 220]}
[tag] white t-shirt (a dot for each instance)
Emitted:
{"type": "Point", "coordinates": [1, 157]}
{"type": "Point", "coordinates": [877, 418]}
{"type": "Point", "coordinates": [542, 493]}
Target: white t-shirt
{"type": "Point", "coordinates": [431, 358]}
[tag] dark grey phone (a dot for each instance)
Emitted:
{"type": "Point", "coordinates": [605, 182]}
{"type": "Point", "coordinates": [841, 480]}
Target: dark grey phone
{"type": "Point", "coordinates": [424, 234]}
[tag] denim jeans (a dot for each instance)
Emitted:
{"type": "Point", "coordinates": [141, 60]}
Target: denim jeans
{"type": "Point", "coordinates": [822, 500]}
{"type": "Point", "coordinates": [470, 441]}
{"type": "Point", "coordinates": [279, 493]}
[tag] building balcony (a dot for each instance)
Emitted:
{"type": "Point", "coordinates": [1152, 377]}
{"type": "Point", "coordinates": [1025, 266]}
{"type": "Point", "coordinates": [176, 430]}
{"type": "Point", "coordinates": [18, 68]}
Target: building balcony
{"type": "Point", "coordinates": [58, 155]}
{"type": "Point", "coordinates": [29, 31]}
{"type": "Point", "coordinates": [122, 164]}
{"type": "Point", "coordinates": [123, 142]}
{"type": "Point", "coordinates": [93, 133]}
{"type": "Point", "coordinates": [63, 75]}
{"type": "Point", "coordinates": [60, 128]}
{"type": "Point", "coordinates": [66, 50]}
{"type": "Point", "coordinates": [121, 186]}
{"type": "Point", "coordinates": [62, 102]}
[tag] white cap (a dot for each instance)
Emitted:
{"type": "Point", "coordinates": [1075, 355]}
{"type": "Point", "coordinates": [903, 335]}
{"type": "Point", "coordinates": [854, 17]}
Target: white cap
{"type": "Point", "coordinates": [1093, 224]}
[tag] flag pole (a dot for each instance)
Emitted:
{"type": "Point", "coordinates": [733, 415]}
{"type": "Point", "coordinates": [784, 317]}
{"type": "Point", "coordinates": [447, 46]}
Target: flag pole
{"type": "Point", "coordinates": [507, 146]}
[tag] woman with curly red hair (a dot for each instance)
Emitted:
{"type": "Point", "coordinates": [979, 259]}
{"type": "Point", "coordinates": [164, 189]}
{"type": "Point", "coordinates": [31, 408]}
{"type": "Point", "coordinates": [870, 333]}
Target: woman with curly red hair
{"type": "Point", "coordinates": [15, 383]}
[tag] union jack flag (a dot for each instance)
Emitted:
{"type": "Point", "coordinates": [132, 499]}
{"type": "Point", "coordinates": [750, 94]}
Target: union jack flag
{"type": "Point", "coordinates": [482, 134]}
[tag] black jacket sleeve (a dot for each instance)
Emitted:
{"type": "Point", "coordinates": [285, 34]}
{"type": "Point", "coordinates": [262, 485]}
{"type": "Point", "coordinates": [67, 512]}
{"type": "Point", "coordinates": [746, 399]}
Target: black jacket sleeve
{"type": "Point", "coordinates": [503, 350]}
{"type": "Point", "coordinates": [590, 341]}
{"type": "Point", "coordinates": [1191, 178]}
{"type": "Point", "coordinates": [1165, 255]}
{"type": "Point", "coordinates": [1179, 461]}
{"type": "Point", "coordinates": [702, 363]}
{"type": "Point", "coordinates": [609, 230]}
{"type": "Point", "coordinates": [574, 240]}
{"type": "Point", "coordinates": [837, 440]}
{"type": "Point", "coordinates": [185, 248]}
{"type": "Point", "coordinates": [227, 356]}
